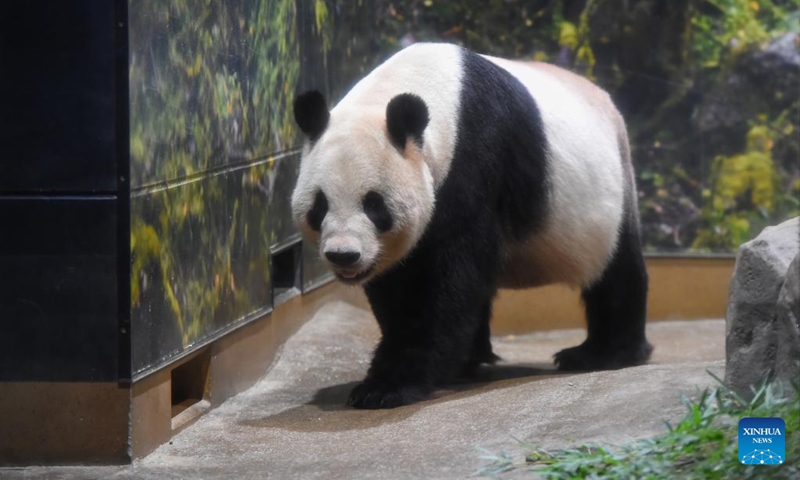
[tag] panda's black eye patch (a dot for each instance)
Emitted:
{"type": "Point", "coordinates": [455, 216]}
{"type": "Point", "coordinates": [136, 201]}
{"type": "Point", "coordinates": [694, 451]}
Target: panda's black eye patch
{"type": "Point", "coordinates": [376, 210]}
{"type": "Point", "coordinates": [318, 211]}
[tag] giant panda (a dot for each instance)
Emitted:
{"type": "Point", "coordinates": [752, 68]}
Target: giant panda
{"type": "Point", "coordinates": [444, 175]}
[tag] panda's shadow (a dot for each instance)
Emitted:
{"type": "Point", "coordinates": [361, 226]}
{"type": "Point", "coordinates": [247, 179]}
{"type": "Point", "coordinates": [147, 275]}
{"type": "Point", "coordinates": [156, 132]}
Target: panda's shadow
{"type": "Point", "coordinates": [328, 411]}
{"type": "Point", "coordinates": [488, 374]}
{"type": "Point", "coordinates": [487, 378]}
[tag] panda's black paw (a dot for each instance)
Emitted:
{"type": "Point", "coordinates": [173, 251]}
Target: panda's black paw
{"type": "Point", "coordinates": [372, 395]}
{"type": "Point", "coordinates": [587, 357]}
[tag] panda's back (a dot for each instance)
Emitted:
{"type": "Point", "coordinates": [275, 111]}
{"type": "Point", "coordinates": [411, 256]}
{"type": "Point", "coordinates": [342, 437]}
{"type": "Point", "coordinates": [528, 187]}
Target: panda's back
{"type": "Point", "coordinates": [586, 173]}
{"type": "Point", "coordinates": [577, 233]}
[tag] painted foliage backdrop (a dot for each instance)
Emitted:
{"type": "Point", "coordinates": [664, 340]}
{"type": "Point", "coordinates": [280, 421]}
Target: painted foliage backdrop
{"type": "Point", "coordinates": [213, 160]}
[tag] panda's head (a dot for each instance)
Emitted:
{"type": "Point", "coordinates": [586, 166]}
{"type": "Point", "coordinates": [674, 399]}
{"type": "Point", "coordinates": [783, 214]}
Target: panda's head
{"type": "Point", "coordinates": [365, 193]}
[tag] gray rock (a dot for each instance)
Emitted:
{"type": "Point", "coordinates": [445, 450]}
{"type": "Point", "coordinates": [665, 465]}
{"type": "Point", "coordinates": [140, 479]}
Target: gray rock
{"type": "Point", "coordinates": [760, 80]}
{"type": "Point", "coordinates": [782, 54]}
{"type": "Point", "coordinates": [787, 361]}
{"type": "Point", "coordinates": [751, 324]}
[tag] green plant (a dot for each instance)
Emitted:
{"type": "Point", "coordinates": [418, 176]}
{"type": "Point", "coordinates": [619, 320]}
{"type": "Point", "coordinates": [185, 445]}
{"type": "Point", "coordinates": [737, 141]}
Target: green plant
{"type": "Point", "coordinates": [746, 192]}
{"type": "Point", "coordinates": [732, 26]}
{"type": "Point", "coordinates": [701, 446]}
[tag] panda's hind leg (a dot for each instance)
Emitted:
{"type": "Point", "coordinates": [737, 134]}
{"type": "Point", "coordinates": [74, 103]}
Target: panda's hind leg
{"type": "Point", "coordinates": [615, 312]}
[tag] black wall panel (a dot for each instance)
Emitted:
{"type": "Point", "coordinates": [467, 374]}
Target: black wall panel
{"type": "Point", "coordinates": [64, 229]}
{"type": "Point", "coordinates": [58, 289]}
{"type": "Point", "coordinates": [58, 88]}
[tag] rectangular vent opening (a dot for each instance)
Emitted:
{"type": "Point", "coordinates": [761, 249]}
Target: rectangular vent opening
{"type": "Point", "coordinates": [190, 389]}
{"type": "Point", "coordinates": [287, 272]}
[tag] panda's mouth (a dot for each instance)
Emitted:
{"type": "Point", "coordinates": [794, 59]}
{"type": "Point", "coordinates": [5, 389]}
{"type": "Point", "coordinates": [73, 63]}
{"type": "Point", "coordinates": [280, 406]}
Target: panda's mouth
{"type": "Point", "coordinates": [353, 276]}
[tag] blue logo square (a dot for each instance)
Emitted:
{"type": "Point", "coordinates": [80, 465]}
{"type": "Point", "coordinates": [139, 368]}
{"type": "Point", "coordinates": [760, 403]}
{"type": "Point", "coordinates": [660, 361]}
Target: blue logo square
{"type": "Point", "coordinates": [762, 441]}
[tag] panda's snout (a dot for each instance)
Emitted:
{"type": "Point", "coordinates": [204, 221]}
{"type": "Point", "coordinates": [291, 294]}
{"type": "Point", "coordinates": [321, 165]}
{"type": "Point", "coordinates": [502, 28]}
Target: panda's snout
{"type": "Point", "coordinates": [343, 259]}
{"type": "Point", "coordinates": [348, 258]}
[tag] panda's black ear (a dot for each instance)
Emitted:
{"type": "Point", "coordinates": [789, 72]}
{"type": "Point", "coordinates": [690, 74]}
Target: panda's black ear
{"type": "Point", "coordinates": [311, 113]}
{"type": "Point", "coordinates": [406, 116]}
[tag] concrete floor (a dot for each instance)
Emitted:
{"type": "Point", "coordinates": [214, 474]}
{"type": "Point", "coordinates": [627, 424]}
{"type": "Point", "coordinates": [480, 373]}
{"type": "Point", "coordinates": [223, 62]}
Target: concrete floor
{"type": "Point", "coordinates": [293, 424]}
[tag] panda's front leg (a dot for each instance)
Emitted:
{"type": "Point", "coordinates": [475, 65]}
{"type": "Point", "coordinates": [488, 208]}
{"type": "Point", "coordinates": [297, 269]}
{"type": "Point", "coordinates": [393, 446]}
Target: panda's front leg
{"type": "Point", "coordinates": [402, 372]}
{"type": "Point", "coordinates": [429, 318]}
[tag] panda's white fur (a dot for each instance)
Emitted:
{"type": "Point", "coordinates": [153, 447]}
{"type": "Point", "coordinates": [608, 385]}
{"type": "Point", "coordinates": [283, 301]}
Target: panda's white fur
{"type": "Point", "coordinates": [468, 135]}
{"type": "Point", "coordinates": [582, 127]}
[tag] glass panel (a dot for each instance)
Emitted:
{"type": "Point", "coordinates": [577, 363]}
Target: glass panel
{"type": "Point", "coordinates": [279, 190]}
{"type": "Point", "coordinates": [211, 85]}
{"type": "Point", "coordinates": [213, 160]}
{"type": "Point", "coordinates": [200, 260]}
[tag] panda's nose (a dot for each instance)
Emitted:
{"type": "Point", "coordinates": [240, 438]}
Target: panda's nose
{"type": "Point", "coordinates": [343, 259]}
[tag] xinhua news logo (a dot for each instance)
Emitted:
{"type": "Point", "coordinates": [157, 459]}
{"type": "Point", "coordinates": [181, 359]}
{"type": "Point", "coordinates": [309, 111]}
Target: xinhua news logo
{"type": "Point", "coordinates": [762, 441]}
